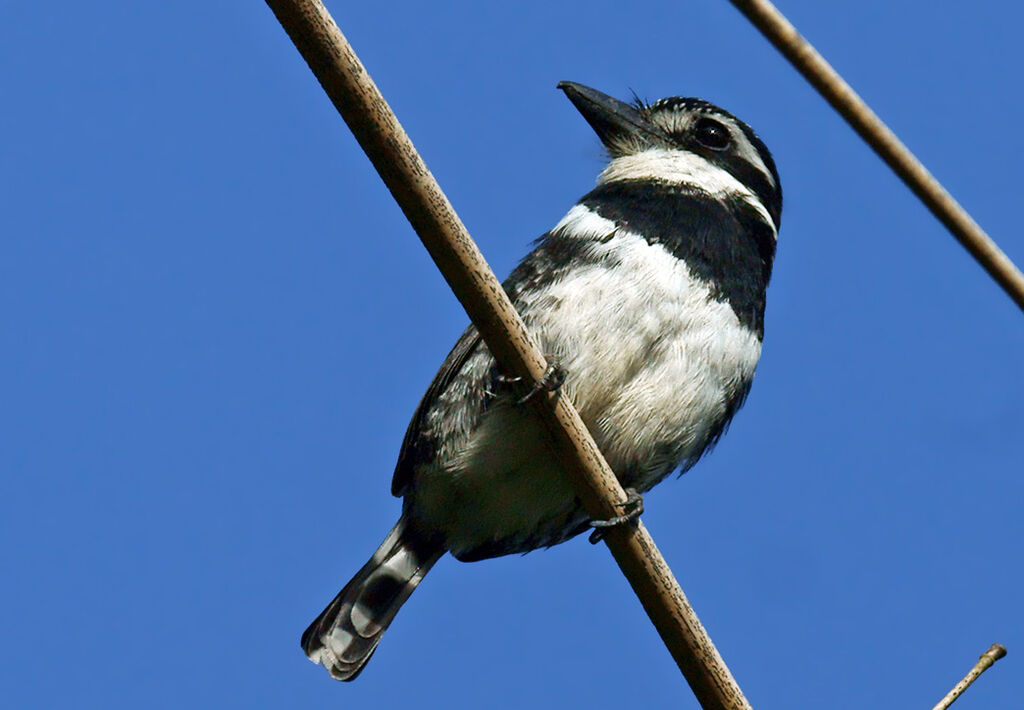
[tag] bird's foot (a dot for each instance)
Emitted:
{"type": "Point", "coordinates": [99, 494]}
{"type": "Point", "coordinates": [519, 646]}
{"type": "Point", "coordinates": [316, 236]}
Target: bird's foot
{"type": "Point", "coordinates": [550, 381]}
{"type": "Point", "coordinates": [632, 508]}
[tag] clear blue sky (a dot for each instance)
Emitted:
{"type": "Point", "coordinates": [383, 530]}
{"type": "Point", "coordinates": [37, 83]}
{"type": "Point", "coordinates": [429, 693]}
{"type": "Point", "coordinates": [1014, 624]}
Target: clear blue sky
{"type": "Point", "coordinates": [215, 325]}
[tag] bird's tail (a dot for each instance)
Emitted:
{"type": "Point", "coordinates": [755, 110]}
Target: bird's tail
{"type": "Point", "coordinates": [346, 633]}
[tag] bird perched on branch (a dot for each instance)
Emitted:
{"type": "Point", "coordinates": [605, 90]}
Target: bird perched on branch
{"type": "Point", "coordinates": [649, 295]}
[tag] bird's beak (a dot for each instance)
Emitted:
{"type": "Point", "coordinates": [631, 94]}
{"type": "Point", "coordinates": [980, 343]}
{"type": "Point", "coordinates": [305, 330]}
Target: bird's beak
{"type": "Point", "coordinates": [614, 121]}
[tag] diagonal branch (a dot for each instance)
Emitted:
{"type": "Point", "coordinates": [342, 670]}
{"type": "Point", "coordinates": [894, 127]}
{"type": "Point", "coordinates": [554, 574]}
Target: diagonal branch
{"type": "Point", "coordinates": [993, 654]}
{"type": "Point", "coordinates": [870, 127]}
{"type": "Point", "coordinates": [354, 94]}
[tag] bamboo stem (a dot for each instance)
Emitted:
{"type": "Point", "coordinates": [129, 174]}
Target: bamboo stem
{"type": "Point", "coordinates": [993, 654]}
{"type": "Point", "coordinates": [802, 55]}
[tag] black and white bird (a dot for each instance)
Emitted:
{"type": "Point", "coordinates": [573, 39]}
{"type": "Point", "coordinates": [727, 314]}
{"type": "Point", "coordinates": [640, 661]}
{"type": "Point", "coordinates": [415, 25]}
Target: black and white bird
{"type": "Point", "coordinates": [650, 296]}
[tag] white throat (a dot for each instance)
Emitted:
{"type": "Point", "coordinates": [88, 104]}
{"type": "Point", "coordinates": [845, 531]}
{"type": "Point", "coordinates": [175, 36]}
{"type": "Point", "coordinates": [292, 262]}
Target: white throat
{"type": "Point", "coordinates": [680, 167]}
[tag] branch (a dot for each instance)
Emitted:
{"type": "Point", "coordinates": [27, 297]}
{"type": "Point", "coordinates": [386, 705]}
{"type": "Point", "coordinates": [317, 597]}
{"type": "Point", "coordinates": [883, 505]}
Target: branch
{"type": "Point", "coordinates": [354, 94]}
{"type": "Point", "coordinates": [993, 654]}
{"type": "Point", "coordinates": [870, 127]}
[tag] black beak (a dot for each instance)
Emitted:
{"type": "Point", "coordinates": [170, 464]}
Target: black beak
{"type": "Point", "coordinates": [614, 122]}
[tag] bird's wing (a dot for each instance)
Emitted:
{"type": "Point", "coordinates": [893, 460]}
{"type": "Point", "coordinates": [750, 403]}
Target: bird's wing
{"type": "Point", "coordinates": [466, 384]}
{"type": "Point", "coordinates": [419, 445]}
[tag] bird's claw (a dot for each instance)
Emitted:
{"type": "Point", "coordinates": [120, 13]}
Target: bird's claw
{"type": "Point", "coordinates": [632, 508]}
{"type": "Point", "coordinates": [550, 381]}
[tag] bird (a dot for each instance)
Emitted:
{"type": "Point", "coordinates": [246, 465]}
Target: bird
{"type": "Point", "coordinates": [649, 297]}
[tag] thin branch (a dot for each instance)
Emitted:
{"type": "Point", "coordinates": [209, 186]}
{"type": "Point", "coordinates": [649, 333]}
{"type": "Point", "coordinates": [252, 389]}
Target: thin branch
{"type": "Point", "coordinates": [993, 654]}
{"type": "Point", "coordinates": [845, 100]}
{"type": "Point", "coordinates": [356, 97]}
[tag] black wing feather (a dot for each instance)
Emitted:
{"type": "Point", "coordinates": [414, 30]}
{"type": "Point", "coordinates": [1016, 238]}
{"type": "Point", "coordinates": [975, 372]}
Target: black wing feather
{"type": "Point", "coordinates": [416, 448]}
{"type": "Point", "coordinates": [553, 255]}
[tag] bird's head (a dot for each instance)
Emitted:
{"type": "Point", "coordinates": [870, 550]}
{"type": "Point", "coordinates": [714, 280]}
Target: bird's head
{"type": "Point", "coordinates": [681, 140]}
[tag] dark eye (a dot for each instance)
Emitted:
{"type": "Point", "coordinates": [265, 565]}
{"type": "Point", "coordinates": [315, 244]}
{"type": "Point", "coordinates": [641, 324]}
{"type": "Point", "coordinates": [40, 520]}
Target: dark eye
{"type": "Point", "coordinates": [712, 134]}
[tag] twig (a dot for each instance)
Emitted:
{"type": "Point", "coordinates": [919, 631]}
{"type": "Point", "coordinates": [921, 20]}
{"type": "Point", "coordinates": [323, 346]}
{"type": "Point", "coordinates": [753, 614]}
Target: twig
{"type": "Point", "coordinates": [356, 97]}
{"type": "Point", "coordinates": [845, 100]}
{"type": "Point", "coordinates": [993, 654]}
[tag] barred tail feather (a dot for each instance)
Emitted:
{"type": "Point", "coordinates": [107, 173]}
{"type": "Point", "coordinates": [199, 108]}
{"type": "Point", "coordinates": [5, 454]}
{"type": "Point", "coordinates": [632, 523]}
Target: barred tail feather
{"type": "Point", "coordinates": [347, 632]}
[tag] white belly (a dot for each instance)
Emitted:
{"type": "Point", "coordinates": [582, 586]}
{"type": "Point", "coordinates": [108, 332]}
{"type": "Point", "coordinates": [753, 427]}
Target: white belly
{"type": "Point", "coordinates": [652, 361]}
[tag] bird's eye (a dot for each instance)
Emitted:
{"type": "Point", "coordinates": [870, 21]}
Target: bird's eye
{"type": "Point", "coordinates": [712, 134]}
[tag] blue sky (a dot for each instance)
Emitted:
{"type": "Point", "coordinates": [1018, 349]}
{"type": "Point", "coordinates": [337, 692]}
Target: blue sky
{"type": "Point", "coordinates": [215, 325]}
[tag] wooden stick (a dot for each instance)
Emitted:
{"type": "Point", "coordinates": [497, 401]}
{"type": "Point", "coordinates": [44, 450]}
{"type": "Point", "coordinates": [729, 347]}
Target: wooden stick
{"type": "Point", "coordinates": [354, 94]}
{"type": "Point", "coordinates": [850, 106]}
{"type": "Point", "coordinates": [993, 654]}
